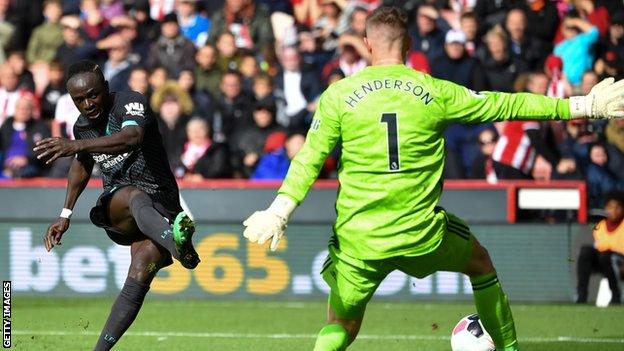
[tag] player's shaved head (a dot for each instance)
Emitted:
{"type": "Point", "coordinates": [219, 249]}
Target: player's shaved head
{"type": "Point", "coordinates": [386, 25]}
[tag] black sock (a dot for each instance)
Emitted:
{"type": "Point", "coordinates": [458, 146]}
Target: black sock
{"type": "Point", "coordinates": [151, 223]}
{"type": "Point", "coordinates": [122, 314]}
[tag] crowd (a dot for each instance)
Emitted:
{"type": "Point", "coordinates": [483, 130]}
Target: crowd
{"type": "Point", "coordinates": [234, 83]}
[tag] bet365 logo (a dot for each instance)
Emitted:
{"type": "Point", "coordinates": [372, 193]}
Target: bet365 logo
{"type": "Point", "coordinates": [135, 109]}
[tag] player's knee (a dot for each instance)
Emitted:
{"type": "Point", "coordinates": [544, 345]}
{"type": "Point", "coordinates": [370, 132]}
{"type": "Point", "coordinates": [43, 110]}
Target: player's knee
{"type": "Point", "coordinates": [480, 262]}
{"type": "Point", "coordinates": [144, 272]}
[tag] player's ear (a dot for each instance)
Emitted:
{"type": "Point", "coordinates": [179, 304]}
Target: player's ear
{"type": "Point", "coordinates": [407, 44]}
{"type": "Point", "coordinates": [367, 44]}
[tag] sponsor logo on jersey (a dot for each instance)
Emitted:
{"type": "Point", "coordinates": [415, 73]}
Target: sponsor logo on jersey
{"type": "Point", "coordinates": [135, 109]}
{"type": "Point", "coordinates": [108, 161]}
{"type": "Point", "coordinates": [476, 94]}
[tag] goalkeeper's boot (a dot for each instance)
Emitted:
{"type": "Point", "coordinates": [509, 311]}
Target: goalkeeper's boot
{"type": "Point", "coordinates": [183, 229]}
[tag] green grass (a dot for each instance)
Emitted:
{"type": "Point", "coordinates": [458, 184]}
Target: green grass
{"type": "Point", "coordinates": [74, 324]}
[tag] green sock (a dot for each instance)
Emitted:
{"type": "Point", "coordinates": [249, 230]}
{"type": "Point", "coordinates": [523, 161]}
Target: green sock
{"type": "Point", "coordinates": [494, 311]}
{"type": "Point", "coordinates": [333, 337]}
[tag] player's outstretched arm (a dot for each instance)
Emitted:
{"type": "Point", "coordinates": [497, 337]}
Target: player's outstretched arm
{"type": "Point", "coordinates": [303, 171]}
{"type": "Point", "coordinates": [461, 105]}
{"type": "Point", "coordinates": [127, 139]}
{"type": "Point", "coordinates": [78, 177]}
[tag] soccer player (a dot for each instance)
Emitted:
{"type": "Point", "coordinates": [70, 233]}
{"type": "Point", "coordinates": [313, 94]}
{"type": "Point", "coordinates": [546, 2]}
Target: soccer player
{"type": "Point", "coordinates": [390, 120]}
{"type": "Point", "coordinates": [140, 206]}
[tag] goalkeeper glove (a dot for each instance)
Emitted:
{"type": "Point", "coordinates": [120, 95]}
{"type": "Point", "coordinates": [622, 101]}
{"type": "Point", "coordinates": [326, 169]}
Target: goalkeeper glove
{"type": "Point", "coordinates": [605, 100]}
{"type": "Point", "coordinates": [270, 223]}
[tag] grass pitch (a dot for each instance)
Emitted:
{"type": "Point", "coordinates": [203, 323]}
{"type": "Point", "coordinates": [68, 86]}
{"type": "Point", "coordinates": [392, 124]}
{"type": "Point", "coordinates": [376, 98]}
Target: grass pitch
{"type": "Point", "coordinates": [74, 324]}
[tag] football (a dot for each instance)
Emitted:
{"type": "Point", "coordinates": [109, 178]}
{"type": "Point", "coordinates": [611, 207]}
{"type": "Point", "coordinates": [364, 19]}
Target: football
{"type": "Point", "coordinates": [470, 335]}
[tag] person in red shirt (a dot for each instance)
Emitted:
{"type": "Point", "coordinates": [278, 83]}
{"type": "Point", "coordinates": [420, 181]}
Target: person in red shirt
{"type": "Point", "coordinates": [606, 256]}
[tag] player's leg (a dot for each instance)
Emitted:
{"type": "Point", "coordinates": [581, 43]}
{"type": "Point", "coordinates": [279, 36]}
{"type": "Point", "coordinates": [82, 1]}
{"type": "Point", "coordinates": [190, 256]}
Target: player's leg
{"type": "Point", "coordinates": [586, 263]}
{"type": "Point", "coordinates": [130, 209]}
{"type": "Point", "coordinates": [352, 283]}
{"type": "Point", "coordinates": [490, 299]}
{"type": "Point", "coordinates": [459, 251]}
{"type": "Point", "coordinates": [147, 259]}
{"type": "Point", "coordinates": [609, 270]}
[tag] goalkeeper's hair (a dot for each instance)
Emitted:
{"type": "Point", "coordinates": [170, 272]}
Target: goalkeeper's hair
{"type": "Point", "coordinates": [85, 66]}
{"type": "Point", "coordinates": [392, 18]}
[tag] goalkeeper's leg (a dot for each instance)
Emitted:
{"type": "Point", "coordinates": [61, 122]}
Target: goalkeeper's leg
{"type": "Point", "coordinates": [353, 282]}
{"type": "Point", "coordinates": [490, 299]}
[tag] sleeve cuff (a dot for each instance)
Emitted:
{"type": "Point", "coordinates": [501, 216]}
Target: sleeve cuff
{"type": "Point", "coordinates": [578, 107]}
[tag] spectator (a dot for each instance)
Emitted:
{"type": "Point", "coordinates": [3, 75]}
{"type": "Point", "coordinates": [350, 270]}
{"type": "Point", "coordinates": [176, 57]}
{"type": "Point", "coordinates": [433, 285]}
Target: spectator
{"type": "Point", "coordinates": [7, 30]}
{"type": "Point", "coordinates": [193, 25]}
{"type": "Point", "coordinates": [357, 22]}
{"type": "Point", "coordinates": [249, 69]}
{"type": "Point", "coordinates": [493, 12]}
{"type": "Point", "coordinates": [542, 20]}
{"type": "Point", "coordinates": [172, 51]}
{"type": "Point", "coordinates": [74, 47]}
{"type": "Point", "coordinates": [575, 49]}
{"type": "Point", "coordinates": [600, 180]}
{"type": "Point", "coordinates": [469, 25]}
{"type": "Point", "coordinates": [248, 143]}
{"type": "Point", "coordinates": [609, 65]}
{"type": "Point", "coordinates": [53, 91]}
{"type": "Point", "coordinates": [47, 37]}
{"type": "Point", "coordinates": [428, 36]}
{"type": "Point", "coordinates": [521, 151]}
{"type": "Point", "coordinates": [126, 31]}
{"type": "Point", "coordinates": [93, 23]}
{"type": "Point", "coordinates": [482, 166]}
{"type": "Point", "coordinates": [9, 92]}
{"type": "Point", "coordinates": [25, 80]}
{"type": "Point", "coordinates": [349, 60]}
{"type": "Point", "coordinates": [559, 86]}
{"type": "Point", "coordinates": [118, 66]}
{"type": "Point", "coordinates": [607, 253]}
{"type": "Point", "coordinates": [274, 165]}
{"type": "Point", "coordinates": [158, 77]}
{"type": "Point", "coordinates": [313, 57]}
{"type": "Point", "coordinates": [596, 15]}
{"type": "Point", "coordinates": [263, 89]}
{"type": "Point", "coordinates": [111, 9]}
{"type": "Point", "coordinates": [298, 90]}
{"type": "Point", "coordinates": [228, 57]}
{"type": "Point", "coordinates": [202, 158]}
{"type": "Point", "coordinates": [18, 135]}
{"type": "Point", "coordinates": [455, 65]}
{"type": "Point", "coordinates": [207, 74]}
{"type": "Point", "coordinates": [138, 81]}
{"type": "Point", "coordinates": [248, 22]}
{"type": "Point", "coordinates": [65, 116]}
{"type": "Point", "coordinates": [173, 107]}
{"type": "Point", "coordinates": [531, 50]}
{"type": "Point", "coordinates": [202, 101]}
{"type": "Point", "coordinates": [328, 26]}
{"type": "Point", "coordinates": [306, 11]}
{"type": "Point", "coordinates": [501, 68]}
{"type": "Point", "coordinates": [233, 108]}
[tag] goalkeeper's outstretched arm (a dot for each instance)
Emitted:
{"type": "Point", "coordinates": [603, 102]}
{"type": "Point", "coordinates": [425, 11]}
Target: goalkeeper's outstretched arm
{"type": "Point", "coordinates": [606, 100]}
{"type": "Point", "coordinates": [303, 171]}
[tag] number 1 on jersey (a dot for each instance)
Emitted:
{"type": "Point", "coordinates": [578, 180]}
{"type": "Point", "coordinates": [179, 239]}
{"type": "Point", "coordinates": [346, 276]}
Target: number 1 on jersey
{"type": "Point", "coordinates": [393, 140]}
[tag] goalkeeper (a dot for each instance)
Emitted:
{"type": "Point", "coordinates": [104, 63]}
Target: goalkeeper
{"type": "Point", "coordinates": [390, 120]}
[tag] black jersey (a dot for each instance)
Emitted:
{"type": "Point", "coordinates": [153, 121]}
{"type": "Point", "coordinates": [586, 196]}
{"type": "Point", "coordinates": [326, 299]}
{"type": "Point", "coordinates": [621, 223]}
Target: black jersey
{"type": "Point", "coordinates": [146, 167]}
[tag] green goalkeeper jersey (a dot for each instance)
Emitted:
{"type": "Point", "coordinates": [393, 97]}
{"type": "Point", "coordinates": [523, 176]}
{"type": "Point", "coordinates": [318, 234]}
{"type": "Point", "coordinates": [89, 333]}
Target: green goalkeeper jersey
{"type": "Point", "coordinates": [390, 121]}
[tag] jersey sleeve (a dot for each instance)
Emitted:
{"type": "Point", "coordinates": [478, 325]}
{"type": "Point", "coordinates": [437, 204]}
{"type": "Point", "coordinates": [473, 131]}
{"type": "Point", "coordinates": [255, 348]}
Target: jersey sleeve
{"type": "Point", "coordinates": [462, 105]}
{"type": "Point", "coordinates": [320, 141]}
{"type": "Point", "coordinates": [81, 156]}
{"type": "Point", "coordinates": [133, 110]}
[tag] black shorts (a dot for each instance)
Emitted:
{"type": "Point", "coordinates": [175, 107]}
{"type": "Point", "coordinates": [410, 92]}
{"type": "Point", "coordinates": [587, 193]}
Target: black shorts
{"type": "Point", "coordinates": [99, 217]}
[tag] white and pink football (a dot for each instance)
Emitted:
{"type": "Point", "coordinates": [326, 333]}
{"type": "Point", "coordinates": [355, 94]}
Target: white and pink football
{"type": "Point", "coordinates": [470, 335]}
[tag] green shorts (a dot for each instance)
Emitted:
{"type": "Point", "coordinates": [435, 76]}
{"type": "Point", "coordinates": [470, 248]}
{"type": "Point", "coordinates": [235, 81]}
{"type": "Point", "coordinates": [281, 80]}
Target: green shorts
{"type": "Point", "coordinates": [353, 281]}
